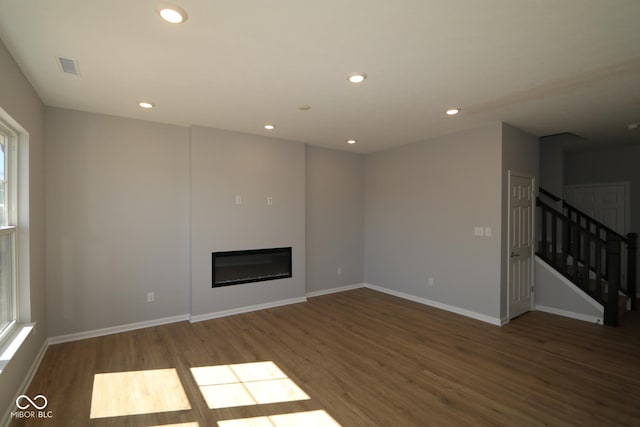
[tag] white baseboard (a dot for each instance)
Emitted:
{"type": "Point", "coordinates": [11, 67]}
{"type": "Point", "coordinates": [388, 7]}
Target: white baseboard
{"type": "Point", "coordinates": [467, 313]}
{"type": "Point", "coordinates": [572, 315]}
{"type": "Point", "coordinates": [157, 322]}
{"type": "Point", "coordinates": [117, 329]}
{"type": "Point", "coordinates": [224, 313]}
{"type": "Point", "coordinates": [335, 290]}
{"type": "Point", "coordinates": [6, 419]}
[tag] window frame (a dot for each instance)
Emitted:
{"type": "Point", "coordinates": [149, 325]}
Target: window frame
{"type": "Point", "coordinates": [10, 138]}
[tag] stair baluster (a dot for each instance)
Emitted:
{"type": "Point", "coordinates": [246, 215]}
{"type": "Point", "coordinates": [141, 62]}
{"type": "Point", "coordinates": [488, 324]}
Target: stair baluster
{"type": "Point", "coordinates": [594, 249]}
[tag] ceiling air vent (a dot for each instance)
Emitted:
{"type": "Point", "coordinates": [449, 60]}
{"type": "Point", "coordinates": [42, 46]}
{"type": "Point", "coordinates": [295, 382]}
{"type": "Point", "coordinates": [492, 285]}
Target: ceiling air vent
{"type": "Point", "coordinates": [69, 66]}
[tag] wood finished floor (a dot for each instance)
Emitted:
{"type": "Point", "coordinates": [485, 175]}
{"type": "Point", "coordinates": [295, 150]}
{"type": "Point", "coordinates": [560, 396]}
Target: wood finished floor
{"type": "Point", "coordinates": [370, 359]}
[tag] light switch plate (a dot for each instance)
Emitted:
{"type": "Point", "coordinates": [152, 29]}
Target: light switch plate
{"type": "Point", "coordinates": [478, 231]}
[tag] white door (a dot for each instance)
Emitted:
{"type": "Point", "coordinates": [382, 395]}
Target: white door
{"type": "Point", "coordinates": [521, 208]}
{"type": "Point", "coordinates": [607, 203]}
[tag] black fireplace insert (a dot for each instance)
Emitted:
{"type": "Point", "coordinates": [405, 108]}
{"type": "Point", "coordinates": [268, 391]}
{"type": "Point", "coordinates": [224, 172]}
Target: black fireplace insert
{"type": "Point", "coordinates": [255, 265]}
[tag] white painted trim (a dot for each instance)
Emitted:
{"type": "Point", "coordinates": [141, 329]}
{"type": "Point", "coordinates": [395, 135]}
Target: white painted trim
{"type": "Point", "coordinates": [570, 284]}
{"type": "Point", "coordinates": [167, 320]}
{"type": "Point", "coordinates": [6, 419]}
{"type": "Point", "coordinates": [572, 315]}
{"type": "Point", "coordinates": [453, 309]}
{"type": "Point", "coordinates": [335, 290]}
{"type": "Point", "coordinates": [240, 310]}
{"type": "Point", "coordinates": [117, 329]}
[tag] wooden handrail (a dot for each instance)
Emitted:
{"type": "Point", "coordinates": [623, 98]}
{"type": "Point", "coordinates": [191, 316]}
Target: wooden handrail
{"type": "Point", "coordinates": [595, 222]}
{"type": "Point", "coordinates": [549, 194]}
{"type": "Point", "coordinates": [584, 214]}
{"type": "Point", "coordinates": [568, 219]}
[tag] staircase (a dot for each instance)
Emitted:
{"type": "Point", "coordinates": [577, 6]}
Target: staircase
{"type": "Point", "coordinates": [598, 260]}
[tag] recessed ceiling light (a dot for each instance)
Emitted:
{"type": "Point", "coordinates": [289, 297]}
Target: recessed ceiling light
{"type": "Point", "coordinates": [452, 111]}
{"type": "Point", "coordinates": [269, 126]}
{"type": "Point", "coordinates": [351, 141]}
{"type": "Point", "coordinates": [146, 105]}
{"type": "Point", "coordinates": [357, 77]}
{"type": "Point", "coordinates": [172, 14]}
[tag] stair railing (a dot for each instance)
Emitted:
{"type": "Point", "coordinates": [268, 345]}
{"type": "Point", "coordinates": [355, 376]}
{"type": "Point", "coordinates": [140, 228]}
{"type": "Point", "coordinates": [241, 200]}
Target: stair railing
{"type": "Point", "coordinates": [628, 247]}
{"type": "Point", "coordinates": [594, 249]}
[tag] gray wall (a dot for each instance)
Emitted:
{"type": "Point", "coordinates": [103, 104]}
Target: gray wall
{"type": "Point", "coordinates": [551, 166]}
{"type": "Point", "coordinates": [335, 218]}
{"type": "Point", "coordinates": [223, 165]}
{"type": "Point", "coordinates": [552, 160]}
{"type": "Point", "coordinates": [555, 292]}
{"type": "Point", "coordinates": [615, 164]}
{"type": "Point", "coordinates": [117, 220]}
{"type": "Point", "coordinates": [136, 206]}
{"type": "Point", "coordinates": [422, 202]}
{"type": "Point", "coordinates": [520, 153]}
{"type": "Point", "coordinates": [19, 100]}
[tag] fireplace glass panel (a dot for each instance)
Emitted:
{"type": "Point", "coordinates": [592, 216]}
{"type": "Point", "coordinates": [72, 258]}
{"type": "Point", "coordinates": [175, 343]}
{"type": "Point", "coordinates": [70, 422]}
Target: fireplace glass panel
{"type": "Point", "coordinates": [255, 265]}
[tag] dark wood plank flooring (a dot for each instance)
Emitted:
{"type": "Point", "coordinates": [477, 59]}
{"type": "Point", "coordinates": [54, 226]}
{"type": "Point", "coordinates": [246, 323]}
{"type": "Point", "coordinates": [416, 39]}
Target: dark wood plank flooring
{"type": "Point", "coordinates": [370, 359]}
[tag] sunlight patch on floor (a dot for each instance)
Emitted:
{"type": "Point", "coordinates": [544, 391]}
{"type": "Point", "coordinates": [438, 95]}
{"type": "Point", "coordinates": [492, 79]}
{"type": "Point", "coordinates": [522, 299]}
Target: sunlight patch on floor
{"type": "Point", "coordinates": [244, 384]}
{"type": "Point", "coordinates": [194, 424]}
{"type": "Point", "coordinates": [307, 419]}
{"type": "Point", "coordinates": [118, 394]}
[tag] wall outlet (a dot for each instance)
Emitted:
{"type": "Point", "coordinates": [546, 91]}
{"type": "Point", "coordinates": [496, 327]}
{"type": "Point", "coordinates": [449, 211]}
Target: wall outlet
{"type": "Point", "coordinates": [339, 271]}
{"type": "Point", "coordinates": [151, 296]}
{"type": "Point", "coordinates": [270, 201]}
{"type": "Point", "coordinates": [487, 231]}
{"type": "Point", "coordinates": [430, 281]}
{"type": "Point", "coordinates": [238, 200]}
{"type": "Point", "coordinates": [478, 231]}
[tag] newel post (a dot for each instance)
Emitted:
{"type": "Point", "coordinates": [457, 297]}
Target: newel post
{"type": "Point", "coordinates": [632, 258]}
{"type": "Point", "coordinates": [613, 279]}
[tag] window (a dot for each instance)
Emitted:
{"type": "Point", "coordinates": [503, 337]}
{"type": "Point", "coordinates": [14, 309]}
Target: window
{"type": "Point", "coordinates": [8, 218]}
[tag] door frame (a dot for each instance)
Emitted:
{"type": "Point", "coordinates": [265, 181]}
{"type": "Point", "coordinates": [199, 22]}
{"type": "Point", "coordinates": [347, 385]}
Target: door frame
{"type": "Point", "coordinates": [534, 190]}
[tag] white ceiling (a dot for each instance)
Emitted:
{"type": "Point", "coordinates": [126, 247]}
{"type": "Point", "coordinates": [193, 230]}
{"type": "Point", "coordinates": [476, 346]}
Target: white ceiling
{"type": "Point", "coordinates": [545, 66]}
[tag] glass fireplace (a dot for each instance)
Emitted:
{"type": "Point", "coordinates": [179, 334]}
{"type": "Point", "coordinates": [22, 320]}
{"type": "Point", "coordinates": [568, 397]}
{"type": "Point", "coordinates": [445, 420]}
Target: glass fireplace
{"type": "Point", "coordinates": [254, 265]}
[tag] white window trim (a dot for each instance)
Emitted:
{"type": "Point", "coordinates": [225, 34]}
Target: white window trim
{"type": "Point", "coordinates": [7, 332]}
{"type": "Point", "coordinates": [18, 331]}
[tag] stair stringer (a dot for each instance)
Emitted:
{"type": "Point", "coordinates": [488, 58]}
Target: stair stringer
{"type": "Point", "coordinates": [556, 294]}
